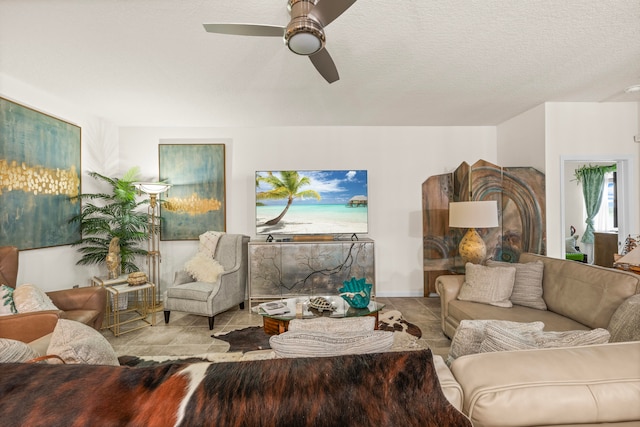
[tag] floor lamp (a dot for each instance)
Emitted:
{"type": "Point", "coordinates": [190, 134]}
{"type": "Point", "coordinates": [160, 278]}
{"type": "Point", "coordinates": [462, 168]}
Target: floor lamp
{"type": "Point", "coordinates": [153, 189]}
{"type": "Point", "coordinates": [472, 215]}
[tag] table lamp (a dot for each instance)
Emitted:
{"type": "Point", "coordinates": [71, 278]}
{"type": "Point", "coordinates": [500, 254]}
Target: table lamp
{"type": "Point", "coordinates": [472, 215]}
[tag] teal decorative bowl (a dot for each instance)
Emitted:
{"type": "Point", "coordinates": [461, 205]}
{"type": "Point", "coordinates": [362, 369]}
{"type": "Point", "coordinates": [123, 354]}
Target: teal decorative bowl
{"type": "Point", "coordinates": [356, 292]}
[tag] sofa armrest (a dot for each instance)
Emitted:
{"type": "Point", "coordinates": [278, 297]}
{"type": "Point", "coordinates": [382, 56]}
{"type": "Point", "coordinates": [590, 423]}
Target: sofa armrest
{"type": "Point", "coordinates": [86, 298]}
{"type": "Point", "coordinates": [576, 385]}
{"type": "Point", "coordinates": [448, 287]}
{"type": "Point", "coordinates": [27, 327]}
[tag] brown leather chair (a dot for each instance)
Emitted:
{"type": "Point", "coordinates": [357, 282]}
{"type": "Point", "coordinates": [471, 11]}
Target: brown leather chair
{"type": "Point", "coordinates": [86, 305]}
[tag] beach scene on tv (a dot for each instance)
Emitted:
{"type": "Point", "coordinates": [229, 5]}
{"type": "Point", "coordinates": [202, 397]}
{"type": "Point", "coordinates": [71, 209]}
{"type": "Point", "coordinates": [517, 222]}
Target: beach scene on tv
{"type": "Point", "coordinates": [311, 202]}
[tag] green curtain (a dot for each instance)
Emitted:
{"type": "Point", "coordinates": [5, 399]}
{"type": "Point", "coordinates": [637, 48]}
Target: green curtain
{"type": "Point", "coordinates": [592, 179]}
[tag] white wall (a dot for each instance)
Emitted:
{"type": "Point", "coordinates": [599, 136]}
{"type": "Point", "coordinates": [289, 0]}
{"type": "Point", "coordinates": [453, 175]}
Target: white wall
{"type": "Point", "coordinates": [521, 140]}
{"type": "Point", "coordinates": [54, 268]}
{"type": "Point", "coordinates": [398, 160]}
{"type": "Point", "coordinates": [582, 130]}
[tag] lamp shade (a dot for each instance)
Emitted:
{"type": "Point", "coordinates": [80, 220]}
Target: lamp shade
{"type": "Point", "coordinates": [474, 214]}
{"type": "Point", "coordinates": [152, 187]}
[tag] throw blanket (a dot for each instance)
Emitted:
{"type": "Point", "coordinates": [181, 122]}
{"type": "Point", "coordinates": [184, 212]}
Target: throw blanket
{"type": "Point", "coordinates": [385, 389]}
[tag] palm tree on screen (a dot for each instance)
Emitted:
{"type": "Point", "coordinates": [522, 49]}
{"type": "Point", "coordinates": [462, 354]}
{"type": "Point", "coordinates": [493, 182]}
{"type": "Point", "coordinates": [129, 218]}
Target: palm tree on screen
{"type": "Point", "coordinates": [286, 186]}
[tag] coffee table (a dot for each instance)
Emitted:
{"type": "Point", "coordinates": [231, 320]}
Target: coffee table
{"type": "Point", "coordinates": [299, 309]}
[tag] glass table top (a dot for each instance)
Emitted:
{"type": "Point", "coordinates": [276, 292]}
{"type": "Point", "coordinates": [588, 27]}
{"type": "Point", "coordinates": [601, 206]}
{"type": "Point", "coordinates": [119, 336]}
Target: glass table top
{"type": "Point", "coordinates": [339, 308]}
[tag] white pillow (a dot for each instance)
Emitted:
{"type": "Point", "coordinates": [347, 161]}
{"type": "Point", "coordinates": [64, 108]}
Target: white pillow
{"type": "Point", "coordinates": [28, 298]}
{"type": "Point", "coordinates": [7, 306]}
{"type": "Point", "coordinates": [12, 351]}
{"type": "Point", "coordinates": [209, 242]}
{"type": "Point", "coordinates": [76, 342]}
{"type": "Point", "coordinates": [321, 344]}
{"type": "Point", "coordinates": [204, 268]}
{"type": "Point", "coordinates": [527, 287]}
{"type": "Point", "coordinates": [488, 285]}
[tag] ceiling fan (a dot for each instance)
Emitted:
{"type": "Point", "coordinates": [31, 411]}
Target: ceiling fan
{"type": "Point", "coordinates": [304, 35]}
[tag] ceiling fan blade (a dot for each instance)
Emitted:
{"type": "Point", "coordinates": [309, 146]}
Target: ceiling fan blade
{"type": "Point", "coordinates": [325, 11]}
{"type": "Point", "coordinates": [245, 29]}
{"type": "Point", "coordinates": [325, 66]}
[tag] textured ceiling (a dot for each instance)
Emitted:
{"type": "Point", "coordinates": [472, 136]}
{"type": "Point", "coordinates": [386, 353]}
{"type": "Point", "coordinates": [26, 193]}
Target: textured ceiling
{"type": "Point", "coordinates": [437, 62]}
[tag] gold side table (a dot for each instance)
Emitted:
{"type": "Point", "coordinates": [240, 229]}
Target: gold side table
{"type": "Point", "coordinates": [141, 305]}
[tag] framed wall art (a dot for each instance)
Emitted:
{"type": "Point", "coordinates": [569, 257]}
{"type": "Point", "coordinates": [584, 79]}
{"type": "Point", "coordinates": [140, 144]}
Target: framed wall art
{"type": "Point", "coordinates": [39, 173]}
{"type": "Point", "coordinates": [196, 201]}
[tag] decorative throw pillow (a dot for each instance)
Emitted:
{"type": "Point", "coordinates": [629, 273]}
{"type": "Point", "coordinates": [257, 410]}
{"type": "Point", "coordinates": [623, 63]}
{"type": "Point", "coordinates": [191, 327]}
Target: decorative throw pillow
{"type": "Point", "coordinates": [471, 333]}
{"type": "Point", "coordinates": [203, 268]}
{"type": "Point", "coordinates": [329, 325]}
{"type": "Point", "coordinates": [28, 298]}
{"type": "Point", "coordinates": [319, 344]}
{"type": "Point", "coordinates": [488, 285]}
{"type": "Point", "coordinates": [7, 306]}
{"type": "Point", "coordinates": [527, 286]}
{"type": "Point", "coordinates": [12, 351]}
{"type": "Point", "coordinates": [504, 339]}
{"type": "Point", "coordinates": [209, 242]}
{"type": "Point", "coordinates": [625, 322]}
{"type": "Point", "coordinates": [78, 343]}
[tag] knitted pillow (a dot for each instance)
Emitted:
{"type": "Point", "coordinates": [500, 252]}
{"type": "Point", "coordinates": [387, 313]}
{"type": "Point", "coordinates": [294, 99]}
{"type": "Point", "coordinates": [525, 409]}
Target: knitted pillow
{"type": "Point", "coordinates": [527, 286]}
{"type": "Point", "coordinates": [320, 344]}
{"type": "Point", "coordinates": [471, 333]}
{"type": "Point", "coordinates": [625, 322]}
{"type": "Point", "coordinates": [328, 325]}
{"type": "Point", "coordinates": [12, 351]}
{"type": "Point", "coordinates": [28, 298]}
{"type": "Point", "coordinates": [209, 242]}
{"type": "Point", "coordinates": [488, 285]}
{"type": "Point", "coordinates": [504, 339]}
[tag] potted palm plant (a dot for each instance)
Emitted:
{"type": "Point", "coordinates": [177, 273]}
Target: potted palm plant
{"type": "Point", "coordinates": [115, 216]}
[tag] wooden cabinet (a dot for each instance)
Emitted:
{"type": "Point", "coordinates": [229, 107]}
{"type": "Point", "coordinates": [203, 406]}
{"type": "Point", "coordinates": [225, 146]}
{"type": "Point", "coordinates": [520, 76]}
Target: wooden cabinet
{"type": "Point", "coordinates": [604, 246]}
{"type": "Point", "coordinates": [289, 269]}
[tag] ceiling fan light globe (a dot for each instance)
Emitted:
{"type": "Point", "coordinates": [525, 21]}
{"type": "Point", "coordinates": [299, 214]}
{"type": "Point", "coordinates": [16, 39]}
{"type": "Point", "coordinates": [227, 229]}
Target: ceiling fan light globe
{"type": "Point", "coordinates": [304, 44]}
{"type": "Point", "coordinates": [304, 36]}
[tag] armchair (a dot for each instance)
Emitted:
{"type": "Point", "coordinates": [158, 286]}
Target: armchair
{"type": "Point", "coordinates": [86, 305]}
{"type": "Point", "coordinates": [206, 298]}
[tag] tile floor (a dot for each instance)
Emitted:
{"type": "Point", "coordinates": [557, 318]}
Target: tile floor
{"type": "Point", "coordinates": [188, 334]}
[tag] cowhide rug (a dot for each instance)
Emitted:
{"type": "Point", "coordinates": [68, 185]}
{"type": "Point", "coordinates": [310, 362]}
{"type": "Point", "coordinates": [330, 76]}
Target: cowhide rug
{"type": "Point", "coordinates": [254, 337]}
{"type": "Point", "coordinates": [252, 343]}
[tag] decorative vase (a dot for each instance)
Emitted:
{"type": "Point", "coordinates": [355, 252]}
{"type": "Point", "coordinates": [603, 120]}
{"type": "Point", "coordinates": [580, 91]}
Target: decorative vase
{"type": "Point", "coordinates": [356, 292]}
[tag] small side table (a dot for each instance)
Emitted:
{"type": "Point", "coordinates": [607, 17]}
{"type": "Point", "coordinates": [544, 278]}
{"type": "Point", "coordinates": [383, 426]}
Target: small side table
{"type": "Point", "coordinates": [141, 305]}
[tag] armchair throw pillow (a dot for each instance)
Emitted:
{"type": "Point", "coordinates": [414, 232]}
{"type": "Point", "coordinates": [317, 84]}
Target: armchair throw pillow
{"type": "Point", "coordinates": [488, 285]}
{"type": "Point", "coordinates": [28, 298]}
{"type": "Point", "coordinates": [204, 268]}
{"type": "Point", "coordinates": [527, 286]}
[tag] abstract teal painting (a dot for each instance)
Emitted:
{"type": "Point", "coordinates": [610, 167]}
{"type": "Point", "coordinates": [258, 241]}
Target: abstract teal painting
{"type": "Point", "coordinates": [196, 202]}
{"type": "Point", "coordinates": [39, 172]}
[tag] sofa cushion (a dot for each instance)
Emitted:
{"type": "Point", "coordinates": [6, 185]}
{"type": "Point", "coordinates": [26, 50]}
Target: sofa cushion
{"type": "Point", "coordinates": [29, 298]}
{"type": "Point", "coordinates": [76, 342]}
{"type": "Point", "coordinates": [574, 386]}
{"type": "Point", "coordinates": [321, 344]}
{"type": "Point", "coordinates": [12, 351]}
{"type": "Point", "coordinates": [625, 322]}
{"type": "Point", "coordinates": [488, 285]}
{"type": "Point", "coordinates": [7, 306]}
{"type": "Point", "coordinates": [499, 338]}
{"type": "Point", "coordinates": [585, 293]}
{"type": "Point", "coordinates": [471, 333]}
{"type": "Point", "coordinates": [527, 286]}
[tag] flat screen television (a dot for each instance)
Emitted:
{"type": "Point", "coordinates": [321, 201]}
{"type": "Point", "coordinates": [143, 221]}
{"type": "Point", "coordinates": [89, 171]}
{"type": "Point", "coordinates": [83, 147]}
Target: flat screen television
{"type": "Point", "coordinates": [312, 202]}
